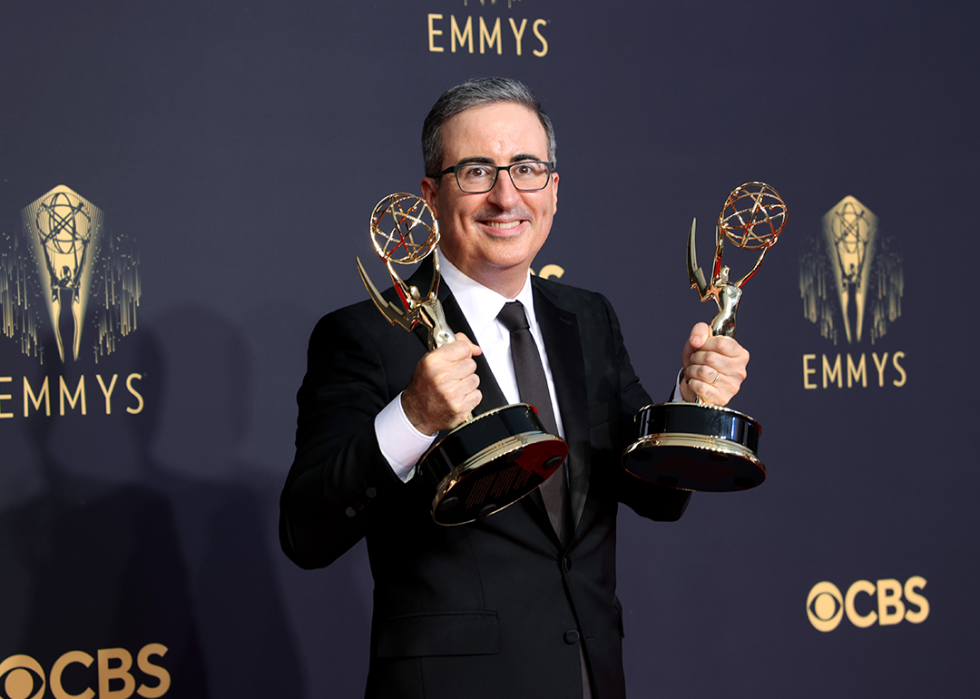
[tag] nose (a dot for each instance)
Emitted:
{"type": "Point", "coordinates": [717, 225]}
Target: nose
{"type": "Point", "coordinates": [503, 193]}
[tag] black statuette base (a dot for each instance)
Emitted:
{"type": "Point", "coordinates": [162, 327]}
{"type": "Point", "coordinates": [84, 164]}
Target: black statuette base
{"type": "Point", "coordinates": [487, 464]}
{"type": "Point", "coordinates": [696, 447]}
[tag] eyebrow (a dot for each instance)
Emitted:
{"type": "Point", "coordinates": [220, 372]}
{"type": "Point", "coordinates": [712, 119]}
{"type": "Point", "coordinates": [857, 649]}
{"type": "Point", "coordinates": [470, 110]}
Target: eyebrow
{"type": "Point", "coordinates": [520, 157]}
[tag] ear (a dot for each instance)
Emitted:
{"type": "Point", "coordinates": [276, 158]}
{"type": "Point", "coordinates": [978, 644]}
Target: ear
{"type": "Point", "coordinates": [430, 192]}
{"type": "Point", "coordinates": [554, 182]}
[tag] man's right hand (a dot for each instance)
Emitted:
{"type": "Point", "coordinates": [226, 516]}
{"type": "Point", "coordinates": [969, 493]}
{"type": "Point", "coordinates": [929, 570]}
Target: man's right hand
{"type": "Point", "coordinates": [444, 387]}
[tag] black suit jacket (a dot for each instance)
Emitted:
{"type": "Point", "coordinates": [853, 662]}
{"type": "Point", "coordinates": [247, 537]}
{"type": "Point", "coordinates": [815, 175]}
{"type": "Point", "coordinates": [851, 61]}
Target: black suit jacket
{"type": "Point", "coordinates": [490, 609]}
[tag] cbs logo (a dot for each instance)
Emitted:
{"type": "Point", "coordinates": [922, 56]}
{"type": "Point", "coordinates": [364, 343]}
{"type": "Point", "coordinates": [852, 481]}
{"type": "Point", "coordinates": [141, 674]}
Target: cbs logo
{"type": "Point", "coordinates": [22, 677]}
{"type": "Point", "coordinates": [825, 606]}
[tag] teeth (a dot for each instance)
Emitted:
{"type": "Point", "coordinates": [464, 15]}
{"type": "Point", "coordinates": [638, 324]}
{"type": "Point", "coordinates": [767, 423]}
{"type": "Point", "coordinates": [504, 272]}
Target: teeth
{"type": "Point", "coordinates": [503, 224]}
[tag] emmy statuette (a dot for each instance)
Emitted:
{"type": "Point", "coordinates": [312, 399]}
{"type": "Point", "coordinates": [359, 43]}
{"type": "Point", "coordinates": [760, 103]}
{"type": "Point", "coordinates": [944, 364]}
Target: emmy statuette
{"type": "Point", "coordinates": [491, 460]}
{"type": "Point", "coordinates": [696, 446]}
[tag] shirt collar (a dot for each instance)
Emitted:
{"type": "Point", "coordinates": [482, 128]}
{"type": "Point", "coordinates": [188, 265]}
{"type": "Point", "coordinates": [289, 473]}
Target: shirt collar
{"type": "Point", "coordinates": [481, 304]}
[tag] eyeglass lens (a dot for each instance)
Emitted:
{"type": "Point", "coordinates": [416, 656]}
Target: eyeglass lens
{"type": "Point", "coordinates": [479, 177]}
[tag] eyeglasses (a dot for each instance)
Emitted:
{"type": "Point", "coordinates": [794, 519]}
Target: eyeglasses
{"type": "Point", "coordinates": [477, 178]}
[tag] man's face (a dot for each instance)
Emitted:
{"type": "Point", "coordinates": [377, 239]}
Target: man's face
{"type": "Point", "coordinates": [493, 237]}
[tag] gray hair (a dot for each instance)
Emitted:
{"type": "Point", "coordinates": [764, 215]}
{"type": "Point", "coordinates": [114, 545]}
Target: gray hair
{"type": "Point", "coordinates": [477, 92]}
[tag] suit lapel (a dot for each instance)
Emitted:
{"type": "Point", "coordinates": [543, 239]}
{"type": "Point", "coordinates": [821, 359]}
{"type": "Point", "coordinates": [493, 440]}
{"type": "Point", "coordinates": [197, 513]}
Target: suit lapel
{"type": "Point", "coordinates": [561, 336]}
{"type": "Point", "coordinates": [563, 344]}
{"type": "Point", "coordinates": [493, 397]}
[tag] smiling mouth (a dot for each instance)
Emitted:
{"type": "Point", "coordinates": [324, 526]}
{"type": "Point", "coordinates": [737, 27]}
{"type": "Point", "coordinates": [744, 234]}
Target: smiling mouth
{"type": "Point", "coordinates": [502, 225]}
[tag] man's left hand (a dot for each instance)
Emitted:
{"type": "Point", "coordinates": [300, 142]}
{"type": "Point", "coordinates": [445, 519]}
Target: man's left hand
{"type": "Point", "coordinates": [714, 367]}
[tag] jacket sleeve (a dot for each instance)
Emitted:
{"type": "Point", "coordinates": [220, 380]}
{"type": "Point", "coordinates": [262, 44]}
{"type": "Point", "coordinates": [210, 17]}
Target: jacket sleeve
{"type": "Point", "coordinates": [648, 500]}
{"type": "Point", "coordinates": [339, 480]}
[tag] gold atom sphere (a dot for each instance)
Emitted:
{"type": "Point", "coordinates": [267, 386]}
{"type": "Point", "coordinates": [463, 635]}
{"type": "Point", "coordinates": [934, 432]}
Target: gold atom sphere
{"type": "Point", "coordinates": [752, 205]}
{"type": "Point", "coordinates": [397, 222]}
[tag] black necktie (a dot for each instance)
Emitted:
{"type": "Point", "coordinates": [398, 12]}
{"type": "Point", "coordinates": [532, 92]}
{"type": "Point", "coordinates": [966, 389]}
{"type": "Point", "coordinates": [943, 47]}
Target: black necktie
{"type": "Point", "coordinates": [533, 387]}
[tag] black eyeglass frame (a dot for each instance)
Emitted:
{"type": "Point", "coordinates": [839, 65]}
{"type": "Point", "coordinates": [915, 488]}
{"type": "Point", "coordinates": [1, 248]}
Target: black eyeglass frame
{"type": "Point", "coordinates": [497, 168]}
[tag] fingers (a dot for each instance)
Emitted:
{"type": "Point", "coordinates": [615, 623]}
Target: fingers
{"type": "Point", "coordinates": [444, 387]}
{"type": "Point", "coordinates": [715, 387]}
{"type": "Point", "coordinates": [699, 335]}
{"type": "Point", "coordinates": [475, 350]}
{"type": "Point", "coordinates": [720, 354]}
{"type": "Point", "coordinates": [714, 367]}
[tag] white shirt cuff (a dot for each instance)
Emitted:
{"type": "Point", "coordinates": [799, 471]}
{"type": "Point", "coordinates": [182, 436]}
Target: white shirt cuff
{"type": "Point", "coordinates": [678, 398]}
{"type": "Point", "coordinates": [400, 443]}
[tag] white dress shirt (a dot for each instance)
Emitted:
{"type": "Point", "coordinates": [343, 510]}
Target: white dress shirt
{"type": "Point", "coordinates": [402, 444]}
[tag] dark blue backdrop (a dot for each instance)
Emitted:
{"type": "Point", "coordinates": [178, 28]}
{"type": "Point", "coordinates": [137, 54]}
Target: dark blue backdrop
{"type": "Point", "coordinates": [240, 147]}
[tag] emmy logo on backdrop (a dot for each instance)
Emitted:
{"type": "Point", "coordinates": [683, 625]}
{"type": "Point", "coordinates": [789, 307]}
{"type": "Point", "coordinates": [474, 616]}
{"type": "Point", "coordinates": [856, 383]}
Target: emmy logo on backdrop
{"type": "Point", "coordinates": [854, 257]}
{"type": "Point", "coordinates": [494, 459]}
{"type": "Point", "coordinates": [696, 446]}
{"type": "Point", "coordinates": [66, 234]}
{"type": "Point", "coordinates": [64, 270]}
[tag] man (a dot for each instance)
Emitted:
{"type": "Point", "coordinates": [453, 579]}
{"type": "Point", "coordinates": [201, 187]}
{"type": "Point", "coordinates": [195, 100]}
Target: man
{"type": "Point", "coordinates": [511, 605]}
